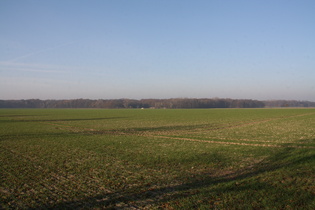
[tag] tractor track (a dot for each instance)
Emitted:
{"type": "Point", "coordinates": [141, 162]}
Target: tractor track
{"type": "Point", "coordinates": [213, 140]}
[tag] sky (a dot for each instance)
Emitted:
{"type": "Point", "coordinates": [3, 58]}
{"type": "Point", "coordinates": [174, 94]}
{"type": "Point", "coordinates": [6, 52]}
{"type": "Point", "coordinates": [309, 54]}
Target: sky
{"type": "Point", "coordinates": [111, 49]}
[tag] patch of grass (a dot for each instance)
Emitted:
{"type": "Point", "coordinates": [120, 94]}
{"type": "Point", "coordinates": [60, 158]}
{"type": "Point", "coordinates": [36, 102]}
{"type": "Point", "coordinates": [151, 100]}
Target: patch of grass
{"type": "Point", "coordinates": [180, 159]}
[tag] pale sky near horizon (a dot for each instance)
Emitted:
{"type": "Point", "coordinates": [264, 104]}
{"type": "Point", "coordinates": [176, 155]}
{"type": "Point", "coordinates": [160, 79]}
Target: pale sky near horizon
{"type": "Point", "coordinates": [107, 49]}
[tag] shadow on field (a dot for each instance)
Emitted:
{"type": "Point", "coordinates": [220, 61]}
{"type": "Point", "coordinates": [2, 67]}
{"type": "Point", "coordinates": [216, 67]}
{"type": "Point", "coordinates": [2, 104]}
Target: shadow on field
{"type": "Point", "coordinates": [204, 185]}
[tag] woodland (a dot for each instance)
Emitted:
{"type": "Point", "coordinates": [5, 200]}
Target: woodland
{"type": "Point", "coordinates": [173, 103]}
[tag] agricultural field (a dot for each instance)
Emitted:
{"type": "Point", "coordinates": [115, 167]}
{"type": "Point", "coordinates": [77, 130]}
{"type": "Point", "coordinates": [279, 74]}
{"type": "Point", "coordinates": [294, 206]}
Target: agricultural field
{"type": "Point", "coordinates": [157, 159]}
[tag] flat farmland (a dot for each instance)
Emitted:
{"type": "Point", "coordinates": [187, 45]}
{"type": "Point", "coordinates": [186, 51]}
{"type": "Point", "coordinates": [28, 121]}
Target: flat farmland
{"type": "Point", "coordinates": [157, 159]}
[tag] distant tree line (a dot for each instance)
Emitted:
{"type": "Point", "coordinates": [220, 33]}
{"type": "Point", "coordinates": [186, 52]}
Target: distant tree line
{"type": "Point", "coordinates": [173, 103]}
{"type": "Point", "coordinates": [289, 103]}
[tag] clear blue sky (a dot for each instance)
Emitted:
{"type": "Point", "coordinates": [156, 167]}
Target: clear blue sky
{"type": "Point", "coordinates": [107, 49]}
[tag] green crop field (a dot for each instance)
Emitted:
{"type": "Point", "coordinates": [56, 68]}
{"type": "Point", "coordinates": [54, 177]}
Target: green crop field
{"type": "Point", "coordinates": [151, 159]}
